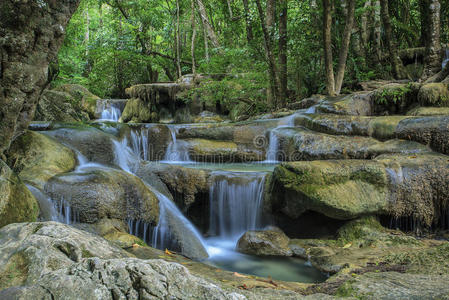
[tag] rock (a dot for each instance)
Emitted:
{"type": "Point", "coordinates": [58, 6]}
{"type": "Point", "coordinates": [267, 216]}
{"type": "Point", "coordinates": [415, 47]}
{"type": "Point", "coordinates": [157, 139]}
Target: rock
{"type": "Point", "coordinates": [305, 103]}
{"type": "Point", "coordinates": [394, 98]}
{"type": "Point", "coordinates": [137, 111]}
{"type": "Point", "coordinates": [432, 131]}
{"type": "Point", "coordinates": [93, 143]}
{"type": "Point", "coordinates": [94, 194]}
{"type": "Point", "coordinates": [355, 105]}
{"type": "Point", "coordinates": [37, 157]}
{"type": "Point", "coordinates": [266, 242]}
{"type": "Point", "coordinates": [394, 285]}
{"type": "Point", "coordinates": [128, 278]}
{"type": "Point", "coordinates": [208, 117]}
{"type": "Point", "coordinates": [53, 260]}
{"type": "Point", "coordinates": [338, 189]}
{"type": "Point", "coordinates": [82, 98]}
{"type": "Point", "coordinates": [429, 111]}
{"type": "Point", "coordinates": [434, 94]}
{"type": "Point", "coordinates": [297, 144]}
{"type": "Point", "coordinates": [57, 106]}
{"type": "Point", "coordinates": [31, 250]}
{"type": "Point", "coordinates": [17, 204]}
{"type": "Point", "coordinates": [399, 185]}
{"type": "Point", "coordinates": [107, 104]}
{"type": "Point", "coordinates": [221, 151]}
{"type": "Point", "coordinates": [150, 142]}
{"type": "Point", "coordinates": [187, 184]}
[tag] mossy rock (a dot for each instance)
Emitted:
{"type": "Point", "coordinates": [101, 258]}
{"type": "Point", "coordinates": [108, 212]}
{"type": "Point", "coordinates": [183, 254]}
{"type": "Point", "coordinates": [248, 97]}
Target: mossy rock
{"type": "Point", "coordinates": [221, 151]}
{"type": "Point", "coordinates": [394, 98]}
{"type": "Point", "coordinates": [17, 204]}
{"type": "Point", "coordinates": [138, 111]}
{"type": "Point", "coordinates": [434, 94]}
{"type": "Point", "coordinates": [429, 111]}
{"type": "Point", "coordinates": [82, 97]}
{"type": "Point", "coordinates": [37, 157]}
{"type": "Point", "coordinates": [59, 106]}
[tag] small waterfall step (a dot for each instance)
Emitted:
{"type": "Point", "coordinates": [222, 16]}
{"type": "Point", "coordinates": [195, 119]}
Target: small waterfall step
{"type": "Point", "coordinates": [110, 109]}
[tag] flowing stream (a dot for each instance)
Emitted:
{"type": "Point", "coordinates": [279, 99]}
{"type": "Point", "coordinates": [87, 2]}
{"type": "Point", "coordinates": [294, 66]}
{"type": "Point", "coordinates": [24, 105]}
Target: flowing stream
{"type": "Point", "coordinates": [176, 150]}
{"type": "Point", "coordinates": [110, 109]}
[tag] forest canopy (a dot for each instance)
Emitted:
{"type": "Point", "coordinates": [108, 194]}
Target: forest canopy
{"type": "Point", "coordinates": [111, 45]}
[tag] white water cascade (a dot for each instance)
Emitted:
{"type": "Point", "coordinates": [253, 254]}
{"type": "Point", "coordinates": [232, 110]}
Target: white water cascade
{"type": "Point", "coordinates": [140, 143]}
{"type": "Point", "coordinates": [446, 58]}
{"type": "Point", "coordinates": [272, 151]}
{"type": "Point", "coordinates": [176, 150]}
{"type": "Point", "coordinates": [236, 200]}
{"type": "Point", "coordinates": [109, 109]}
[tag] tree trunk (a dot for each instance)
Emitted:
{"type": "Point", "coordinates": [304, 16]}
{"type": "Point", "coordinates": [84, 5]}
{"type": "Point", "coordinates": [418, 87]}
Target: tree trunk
{"type": "Point", "coordinates": [327, 40]}
{"type": "Point", "coordinates": [345, 46]}
{"type": "Point", "coordinates": [193, 37]}
{"type": "Point", "coordinates": [396, 63]}
{"type": "Point", "coordinates": [268, 54]}
{"type": "Point", "coordinates": [425, 21]}
{"type": "Point", "coordinates": [206, 45]}
{"type": "Point", "coordinates": [432, 59]}
{"type": "Point", "coordinates": [377, 31]}
{"type": "Point", "coordinates": [204, 19]}
{"type": "Point", "coordinates": [270, 20]}
{"type": "Point", "coordinates": [249, 29]}
{"type": "Point", "coordinates": [30, 37]}
{"type": "Point", "coordinates": [283, 6]}
{"type": "Point", "coordinates": [230, 9]}
{"type": "Point", "coordinates": [178, 42]}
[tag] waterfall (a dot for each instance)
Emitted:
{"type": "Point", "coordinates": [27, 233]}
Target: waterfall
{"type": "Point", "coordinates": [273, 148]}
{"type": "Point", "coordinates": [176, 150]}
{"type": "Point", "coordinates": [110, 109]}
{"type": "Point", "coordinates": [236, 201]}
{"type": "Point", "coordinates": [48, 209]}
{"type": "Point", "coordinates": [446, 58]}
{"type": "Point", "coordinates": [140, 142]}
{"type": "Point", "coordinates": [123, 155]}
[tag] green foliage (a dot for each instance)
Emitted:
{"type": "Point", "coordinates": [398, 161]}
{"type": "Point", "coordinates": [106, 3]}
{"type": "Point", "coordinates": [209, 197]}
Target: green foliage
{"type": "Point", "coordinates": [393, 95]}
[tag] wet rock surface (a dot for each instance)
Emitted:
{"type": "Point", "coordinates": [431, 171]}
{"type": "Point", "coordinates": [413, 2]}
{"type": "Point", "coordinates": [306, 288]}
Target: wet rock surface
{"type": "Point", "coordinates": [266, 242]}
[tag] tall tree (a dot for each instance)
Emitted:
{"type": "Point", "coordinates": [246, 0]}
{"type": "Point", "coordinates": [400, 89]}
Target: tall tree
{"type": "Point", "coordinates": [283, 8]}
{"type": "Point", "coordinates": [30, 36]}
{"type": "Point", "coordinates": [432, 58]}
{"type": "Point", "coordinates": [205, 20]}
{"type": "Point", "coordinates": [178, 41]}
{"type": "Point", "coordinates": [327, 44]}
{"type": "Point", "coordinates": [395, 60]}
{"type": "Point", "coordinates": [193, 36]}
{"type": "Point", "coordinates": [249, 28]}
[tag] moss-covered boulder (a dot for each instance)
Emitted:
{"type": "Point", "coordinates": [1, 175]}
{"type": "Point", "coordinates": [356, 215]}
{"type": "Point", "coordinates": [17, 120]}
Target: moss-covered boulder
{"type": "Point", "coordinates": [94, 144]}
{"type": "Point", "coordinates": [138, 111]}
{"type": "Point", "coordinates": [296, 144]}
{"type": "Point", "coordinates": [17, 204]}
{"type": "Point", "coordinates": [37, 157]}
{"type": "Point", "coordinates": [394, 98]}
{"type": "Point", "coordinates": [431, 131]}
{"type": "Point", "coordinates": [264, 242]}
{"type": "Point", "coordinates": [221, 151]}
{"type": "Point", "coordinates": [434, 94]}
{"type": "Point", "coordinates": [413, 186]}
{"type": "Point", "coordinates": [358, 104]}
{"type": "Point", "coordinates": [93, 194]}
{"type": "Point", "coordinates": [429, 111]}
{"type": "Point", "coordinates": [338, 189]}
{"type": "Point", "coordinates": [58, 106]}
{"type": "Point", "coordinates": [82, 97]}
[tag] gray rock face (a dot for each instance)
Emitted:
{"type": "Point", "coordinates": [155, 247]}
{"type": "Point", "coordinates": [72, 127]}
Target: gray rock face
{"type": "Point", "coordinates": [128, 278]}
{"type": "Point", "coordinates": [264, 243]}
{"type": "Point", "coordinates": [56, 261]}
{"type": "Point", "coordinates": [392, 285]}
{"type": "Point", "coordinates": [105, 193]}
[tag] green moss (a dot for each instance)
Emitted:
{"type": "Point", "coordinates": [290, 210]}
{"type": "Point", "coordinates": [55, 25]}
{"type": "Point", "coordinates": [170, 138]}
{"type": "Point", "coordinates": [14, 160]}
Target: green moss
{"type": "Point", "coordinates": [37, 228]}
{"type": "Point", "coordinates": [359, 229]}
{"type": "Point", "coordinates": [434, 94]}
{"type": "Point", "coordinates": [86, 254]}
{"type": "Point", "coordinates": [15, 272]}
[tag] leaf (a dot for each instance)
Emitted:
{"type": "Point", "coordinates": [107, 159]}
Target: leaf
{"type": "Point", "coordinates": [348, 245]}
{"type": "Point", "coordinates": [169, 253]}
{"type": "Point", "coordinates": [240, 275]}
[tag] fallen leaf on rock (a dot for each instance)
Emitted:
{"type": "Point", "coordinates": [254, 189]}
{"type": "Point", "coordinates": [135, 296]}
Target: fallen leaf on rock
{"type": "Point", "coordinates": [240, 275]}
{"type": "Point", "coordinates": [347, 245]}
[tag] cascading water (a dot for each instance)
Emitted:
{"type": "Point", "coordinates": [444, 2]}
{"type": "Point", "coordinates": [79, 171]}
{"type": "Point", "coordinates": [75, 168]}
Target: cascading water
{"type": "Point", "coordinates": [111, 110]}
{"type": "Point", "coordinates": [272, 152]}
{"type": "Point", "coordinates": [235, 203]}
{"type": "Point", "coordinates": [48, 209]}
{"type": "Point", "coordinates": [123, 155]}
{"type": "Point", "coordinates": [140, 143]}
{"type": "Point", "coordinates": [446, 59]}
{"type": "Point", "coordinates": [176, 151]}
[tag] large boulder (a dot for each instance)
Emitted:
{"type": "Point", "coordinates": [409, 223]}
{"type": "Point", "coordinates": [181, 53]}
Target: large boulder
{"type": "Point", "coordinates": [94, 194]}
{"type": "Point", "coordinates": [57, 106]}
{"type": "Point", "coordinates": [359, 104]}
{"type": "Point", "coordinates": [53, 260]}
{"type": "Point", "coordinates": [93, 143]}
{"type": "Point", "coordinates": [138, 111]}
{"type": "Point", "coordinates": [431, 131]}
{"type": "Point", "coordinates": [221, 151]}
{"type": "Point", "coordinates": [264, 242]}
{"type": "Point", "coordinates": [82, 97]}
{"type": "Point", "coordinates": [37, 157]}
{"type": "Point", "coordinates": [17, 204]}
{"type": "Point", "coordinates": [302, 144]}
{"type": "Point", "coordinates": [398, 185]}
{"type": "Point", "coordinates": [434, 94]}
{"type": "Point", "coordinates": [429, 111]}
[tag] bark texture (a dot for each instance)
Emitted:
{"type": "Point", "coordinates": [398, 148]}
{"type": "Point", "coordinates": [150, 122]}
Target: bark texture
{"type": "Point", "coordinates": [327, 39]}
{"type": "Point", "coordinates": [432, 59]}
{"type": "Point", "coordinates": [31, 32]}
{"type": "Point", "coordinates": [283, 5]}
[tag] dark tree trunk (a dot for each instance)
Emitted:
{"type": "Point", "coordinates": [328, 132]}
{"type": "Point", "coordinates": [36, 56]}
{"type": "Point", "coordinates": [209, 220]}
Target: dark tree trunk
{"type": "Point", "coordinates": [396, 63]}
{"type": "Point", "coordinates": [327, 40]}
{"type": "Point", "coordinates": [283, 49]}
{"type": "Point", "coordinates": [31, 33]}
{"type": "Point", "coordinates": [432, 58]}
{"type": "Point", "coordinates": [249, 29]}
